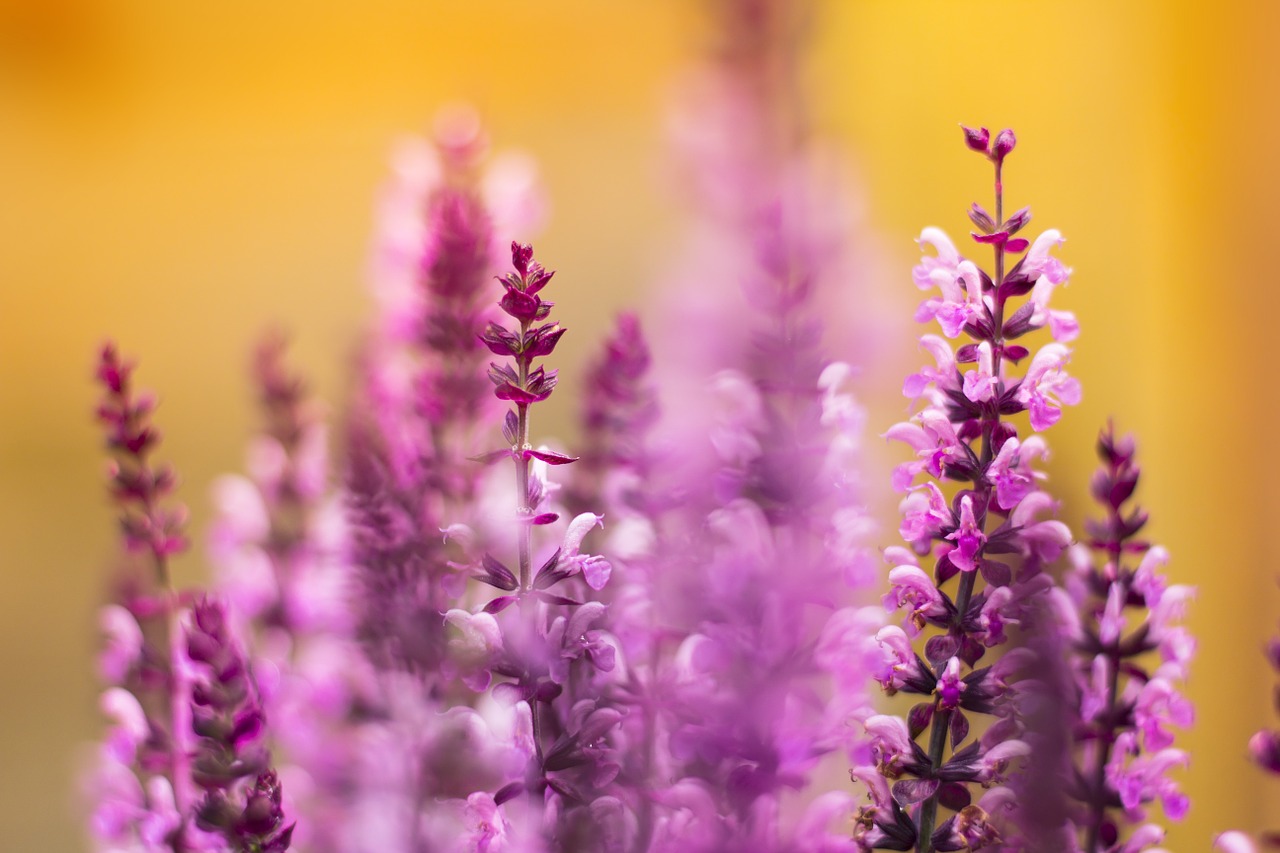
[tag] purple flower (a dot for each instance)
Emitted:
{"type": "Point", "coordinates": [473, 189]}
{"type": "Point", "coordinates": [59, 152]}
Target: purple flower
{"type": "Point", "coordinates": [1126, 713]}
{"type": "Point", "coordinates": [142, 786]}
{"type": "Point", "coordinates": [989, 535]}
{"type": "Point", "coordinates": [539, 643]}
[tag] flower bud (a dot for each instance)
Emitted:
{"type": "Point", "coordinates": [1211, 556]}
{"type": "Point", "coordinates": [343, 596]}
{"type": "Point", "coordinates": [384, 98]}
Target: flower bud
{"type": "Point", "coordinates": [978, 139]}
{"type": "Point", "coordinates": [1005, 143]}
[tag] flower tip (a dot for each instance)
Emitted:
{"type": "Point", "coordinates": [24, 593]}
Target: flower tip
{"type": "Point", "coordinates": [521, 255]}
{"type": "Point", "coordinates": [1005, 142]}
{"type": "Point", "coordinates": [977, 139]}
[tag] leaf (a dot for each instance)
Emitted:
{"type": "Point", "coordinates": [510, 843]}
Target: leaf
{"type": "Point", "coordinates": [500, 603]}
{"type": "Point", "coordinates": [550, 457]}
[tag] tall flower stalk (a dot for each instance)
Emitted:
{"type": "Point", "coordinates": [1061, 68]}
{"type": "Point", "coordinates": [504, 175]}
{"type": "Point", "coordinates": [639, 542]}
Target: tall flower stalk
{"type": "Point", "coordinates": [1126, 709]}
{"type": "Point", "coordinates": [188, 722]}
{"type": "Point", "coordinates": [149, 699]}
{"type": "Point", "coordinates": [547, 645]}
{"type": "Point", "coordinates": [965, 434]}
{"type": "Point", "coordinates": [765, 530]}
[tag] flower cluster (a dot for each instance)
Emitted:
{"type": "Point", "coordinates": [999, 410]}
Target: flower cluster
{"type": "Point", "coordinates": [1125, 711]}
{"type": "Point", "coordinates": [683, 689]}
{"type": "Point", "coordinates": [181, 697]}
{"type": "Point", "coordinates": [227, 717]}
{"type": "Point", "coordinates": [993, 528]}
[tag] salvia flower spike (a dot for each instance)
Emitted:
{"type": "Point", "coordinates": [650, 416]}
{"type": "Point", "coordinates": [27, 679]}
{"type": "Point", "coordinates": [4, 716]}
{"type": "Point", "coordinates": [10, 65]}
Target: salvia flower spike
{"type": "Point", "coordinates": [1126, 710]}
{"type": "Point", "coordinates": [992, 529]}
{"type": "Point", "coordinates": [198, 679]}
{"type": "Point", "coordinates": [143, 788]}
{"type": "Point", "coordinates": [547, 645]}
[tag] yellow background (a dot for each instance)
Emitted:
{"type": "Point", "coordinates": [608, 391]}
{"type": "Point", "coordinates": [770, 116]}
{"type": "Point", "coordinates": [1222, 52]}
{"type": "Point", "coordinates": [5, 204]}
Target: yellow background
{"type": "Point", "coordinates": [179, 175]}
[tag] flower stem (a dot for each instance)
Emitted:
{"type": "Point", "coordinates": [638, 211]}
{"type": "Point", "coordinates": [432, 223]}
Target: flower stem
{"type": "Point", "coordinates": [524, 530]}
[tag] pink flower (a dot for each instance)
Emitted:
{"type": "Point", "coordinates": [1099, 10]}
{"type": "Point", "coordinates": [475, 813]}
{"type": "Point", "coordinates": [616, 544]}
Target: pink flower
{"type": "Point", "coordinates": [1159, 704]}
{"type": "Point", "coordinates": [910, 586]}
{"type": "Point", "coordinates": [1234, 841]}
{"type": "Point", "coordinates": [924, 514]}
{"type": "Point", "coordinates": [1011, 472]}
{"type": "Point", "coordinates": [950, 685]}
{"type": "Point", "coordinates": [890, 740]}
{"type": "Point", "coordinates": [595, 570]}
{"type": "Point", "coordinates": [968, 537]}
{"type": "Point", "coordinates": [980, 384]}
{"type": "Point", "coordinates": [899, 664]}
{"type": "Point", "coordinates": [1038, 263]}
{"type": "Point", "coordinates": [487, 830]}
{"type": "Point", "coordinates": [1143, 779]}
{"type": "Point", "coordinates": [1047, 387]}
{"type": "Point", "coordinates": [1046, 539]}
{"type": "Point", "coordinates": [123, 648]}
{"type": "Point", "coordinates": [943, 377]}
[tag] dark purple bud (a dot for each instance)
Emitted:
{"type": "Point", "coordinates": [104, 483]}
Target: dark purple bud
{"type": "Point", "coordinates": [967, 354]}
{"type": "Point", "coordinates": [996, 239]}
{"type": "Point", "coordinates": [542, 341]}
{"type": "Point", "coordinates": [543, 518]}
{"type": "Point", "coordinates": [500, 341]}
{"type": "Point", "coordinates": [248, 727]}
{"type": "Point", "coordinates": [1016, 245]}
{"type": "Point", "coordinates": [496, 574]}
{"type": "Point", "coordinates": [1020, 322]}
{"type": "Point", "coordinates": [551, 573]}
{"type": "Point", "coordinates": [281, 842]}
{"type": "Point", "coordinates": [262, 812]}
{"type": "Point", "coordinates": [521, 254]}
{"type": "Point", "coordinates": [978, 139]}
{"type": "Point", "coordinates": [538, 279]}
{"type": "Point", "coordinates": [1005, 142]}
{"type": "Point", "coordinates": [215, 812]}
{"type": "Point", "coordinates": [520, 305]}
{"type": "Point", "coordinates": [1018, 221]}
{"type": "Point", "coordinates": [981, 219]}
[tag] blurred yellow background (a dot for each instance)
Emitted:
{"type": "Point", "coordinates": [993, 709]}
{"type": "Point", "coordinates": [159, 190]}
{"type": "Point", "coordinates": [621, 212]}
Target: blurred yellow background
{"type": "Point", "coordinates": [179, 176]}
